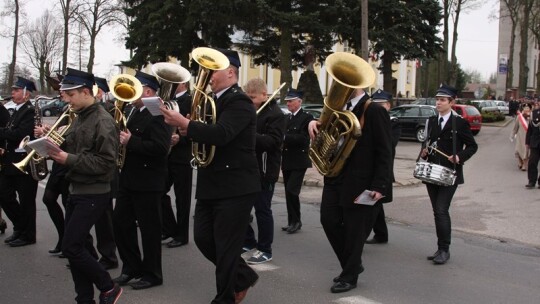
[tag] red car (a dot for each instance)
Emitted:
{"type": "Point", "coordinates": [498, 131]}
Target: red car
{"type": "Point", "coordinates": [470, 114]}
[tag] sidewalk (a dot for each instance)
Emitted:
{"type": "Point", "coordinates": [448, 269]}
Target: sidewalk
{"type": "Point", "coordinates": [403, 171]}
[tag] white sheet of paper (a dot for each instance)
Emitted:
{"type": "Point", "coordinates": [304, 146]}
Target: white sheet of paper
{"type": "Point", "coordinates": [42, 146]}
{"type": "Point", "coordinates": [365, 198]}
{"type": "Point", "coordinates": [152, 104]}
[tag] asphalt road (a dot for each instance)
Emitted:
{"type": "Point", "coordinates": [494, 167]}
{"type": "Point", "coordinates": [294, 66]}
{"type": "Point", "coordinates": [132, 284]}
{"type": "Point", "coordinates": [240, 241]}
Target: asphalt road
{"type": "Point", "coordinates": [494, 254]}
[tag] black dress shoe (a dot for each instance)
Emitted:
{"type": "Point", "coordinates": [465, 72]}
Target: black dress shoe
{"type": "Point", "coordinates": [294, 227]}
{"type": "Point", "coordinates": [13, 237]}
{"type": "Point", "coordinates": [285, 228]}
{"type": "Point", "coordinates": [164, 237]}
{"type": "Point", "coordinates": [143, 284]}
{"type": "Point", "coordinates": [55, 251]}
{"type": "Point", "coordinates": [108, 265]}
{"type": "Point", "coordinates": [342, 287]}
{"type": "Point", "coordinates": [431, 257]}
{"type": "Point", "coordinates": [175, 243]}
{"type": "Point", "coordinates": [442, 258]}
{"type": "Point", "coordinates": [376, 241]}
{"type": "Point", "coordinates": [123, 279]}
{"type": "Point", "coordinates": [20, 243]}
{"type": "Point", "coordinates": [529, 185]}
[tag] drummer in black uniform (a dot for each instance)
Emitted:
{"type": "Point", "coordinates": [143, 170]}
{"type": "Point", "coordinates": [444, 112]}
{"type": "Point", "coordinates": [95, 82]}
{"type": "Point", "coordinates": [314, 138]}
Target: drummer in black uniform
{"type": "Point", "coordinates": [451, 135]}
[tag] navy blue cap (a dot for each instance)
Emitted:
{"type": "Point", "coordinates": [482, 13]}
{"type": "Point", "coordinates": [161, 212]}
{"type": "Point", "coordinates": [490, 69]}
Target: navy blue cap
{"type": "Point", "coordinates": [147, 80]}
{"type": "Point", "coordinates": [102, 84]}
{"type": "Point", "coordinates": [22, 83]}
{"type": "Point", "coordinates": [233, 57]}
{"type": "Point", "coordinates": [76, 79]}
{"type": "Point", "coordinates": [381, 96]}
{"type": "Point", "coordinates": [293, 94]}
{"type": "Point", "coordinates": [446, 91]}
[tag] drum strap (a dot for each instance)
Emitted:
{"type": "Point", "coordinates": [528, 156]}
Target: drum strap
{"type": "Point", "coordinates": [454, 140]}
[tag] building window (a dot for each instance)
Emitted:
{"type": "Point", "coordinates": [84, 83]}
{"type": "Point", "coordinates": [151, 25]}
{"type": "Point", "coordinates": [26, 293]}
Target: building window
{"type": "Point", "coordinates": [408, 76]}
{"type": "Point", "coordinates": [346, 47]}
{"type": "Point", "coordinates": [251, 62]}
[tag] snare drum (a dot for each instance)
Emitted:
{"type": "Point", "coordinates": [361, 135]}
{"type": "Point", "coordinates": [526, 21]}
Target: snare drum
{"type": "Point", "coordinates": [434, 174]}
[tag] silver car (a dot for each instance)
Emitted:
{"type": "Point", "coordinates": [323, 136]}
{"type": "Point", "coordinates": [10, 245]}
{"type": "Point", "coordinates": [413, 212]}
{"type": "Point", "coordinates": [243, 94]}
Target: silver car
{"type": "Point", "coordinates": [503, 107]}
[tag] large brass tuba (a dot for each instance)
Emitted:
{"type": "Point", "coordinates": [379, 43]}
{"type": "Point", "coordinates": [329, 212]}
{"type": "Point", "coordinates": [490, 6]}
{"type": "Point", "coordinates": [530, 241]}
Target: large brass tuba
{"type": "Point", "coordinates": [203, 107]}
{"type": "Point", "coordinates": [169, 76]}
{"type": "Point", "coordinates": [126, 89]}
{"type": "Point", "coordinates": [56, 135]}
{"type": "Point", "coordinates": [339, 129]}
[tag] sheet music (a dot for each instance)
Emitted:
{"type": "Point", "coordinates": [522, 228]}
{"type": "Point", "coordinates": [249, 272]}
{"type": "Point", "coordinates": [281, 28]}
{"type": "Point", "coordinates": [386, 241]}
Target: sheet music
{"type": "Point", "coordinates": [42, 146]}
{"type": "Point", "coordinates": [365, 198]}
{"type": "Point", "coordinates": [153, 104]}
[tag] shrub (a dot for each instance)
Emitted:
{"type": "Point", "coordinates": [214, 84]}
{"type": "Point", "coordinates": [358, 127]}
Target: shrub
{"type": "Point", "coordinates": [492, 116]}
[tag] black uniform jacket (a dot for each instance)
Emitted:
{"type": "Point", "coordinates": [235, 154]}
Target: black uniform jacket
{"type": "Point", "coordinates": [181, 152]}
{"type": "Point", "coordinates": [20, 125]}
{"type": "Point", "coordinates": [145, 165]}
{"type": "Point", "coordinates": [233, 171]}
{"type": "Point", "coordinates": [270, 129]}
{"type": "Point", "coordinates": [369, 166]}
{"type": "Point", "coordinates": [465, 144]}
{"type": "Point", "coordinates": [533, 133]}
{"type": "Point", "coordinates": [296, 144]}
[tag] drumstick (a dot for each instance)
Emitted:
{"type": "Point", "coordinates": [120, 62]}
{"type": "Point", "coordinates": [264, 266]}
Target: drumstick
{"type": "Point", "coordinates": [440, 152]}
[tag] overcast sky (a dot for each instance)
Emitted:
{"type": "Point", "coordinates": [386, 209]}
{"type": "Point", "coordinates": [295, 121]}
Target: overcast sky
{"type": "Point", "coordinates": [476, 47]}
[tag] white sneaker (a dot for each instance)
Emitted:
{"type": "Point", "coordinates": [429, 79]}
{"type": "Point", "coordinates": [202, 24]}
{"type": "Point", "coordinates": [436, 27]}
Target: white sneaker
{"type": "Point", "coordinates": [259, 257]}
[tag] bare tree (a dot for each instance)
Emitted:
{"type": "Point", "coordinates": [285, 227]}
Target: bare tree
{"type": "Point", "coordinates": [534, 26]}
{"type": "Point", "coordinates": [79, 46]}
{"type": "Point", "coordinates": [68, 8]}
{"type": "Point", "coordinates": [13, 8]}
{"type": "Point", "coordinates": [42, 45]}
{"type": "Point", "coordinates": [94, 16]}
{"type": "Point", "coordinates": [525, 9]}
{"type": "Point", "coordinates": [512, 12]}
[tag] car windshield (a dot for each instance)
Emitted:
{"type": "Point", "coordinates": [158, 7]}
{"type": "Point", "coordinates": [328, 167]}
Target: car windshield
{"type": "Point", "coordinates": [472, 111]}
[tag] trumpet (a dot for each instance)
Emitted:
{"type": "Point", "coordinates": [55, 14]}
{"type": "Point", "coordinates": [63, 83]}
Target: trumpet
{"type": "Point", "coordinates": [125, 89]}
{"type": "Point", "coordinates": [203, 107]}
{"type": "Point", "coordinates": [55, 134]}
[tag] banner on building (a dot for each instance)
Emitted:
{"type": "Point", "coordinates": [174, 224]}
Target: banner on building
{"type": "Point", "coordinates": [503, 63]}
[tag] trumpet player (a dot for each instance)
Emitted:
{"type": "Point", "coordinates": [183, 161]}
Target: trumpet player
{"type": "Point", "coordinates": [228, 186]}
{"type": "Point", "coordinates": [91, 148]}
{"type": "Point", "coordinates": [14, 183]}
{"type": "Point", "coordinates": [454, 138]}
{"type": "Point", "coordinates": [142, 183]}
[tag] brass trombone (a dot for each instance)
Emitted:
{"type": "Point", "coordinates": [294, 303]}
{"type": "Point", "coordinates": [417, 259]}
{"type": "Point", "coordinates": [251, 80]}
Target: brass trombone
{"type": "Point", "coordinates": [271, 97]}
{"type": "Point", "coordinates": [203, 107]}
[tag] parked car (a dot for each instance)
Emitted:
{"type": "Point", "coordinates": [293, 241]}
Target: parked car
{"type": "Point", "coordinates": [486, 105]}
{"type": "Point", "coordinates": [53, 108]}
{"type": "Point", "coordinates": [503, 107]}
{"type": "Point", "coordinates": [412, 119]}
{"type": "Point", "coordinates": [430, 101]}
{"type": "Point", "coordinates": [10, 106]}
{"type": "Point", "coordinates": [470, 114]}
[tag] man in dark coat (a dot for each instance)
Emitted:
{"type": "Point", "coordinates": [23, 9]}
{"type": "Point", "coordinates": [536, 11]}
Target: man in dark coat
{"type": "Point", "coordinates": [347, 220]}
{"type": "Point", "coordinates": [228, 185]}
{"type": "Point", "coordinates": [532, 141]}
{"type": "Point", "coordinates": [270, 130]}
{"type": "Point", "coordinates": [142, 183]}
{"type": "Point", "coordinates": [180, 175]}
{"type": "Point", "coordinates": [380, 230]}
{"type": "Point", "coordinates": [441, 135]}
{"type": "Point", "coordinates": [13, 182]}
{"type": "Point", "coordinates": [295, 158]}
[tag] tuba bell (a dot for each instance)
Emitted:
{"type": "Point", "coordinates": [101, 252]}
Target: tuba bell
{"type": "Point", "coordinates": [169, 76]}
{"type": "Point", "coordinates": [203, 107]}
{"type": "Point", "coordinates": [339, 130]}
{"type": "Point", "coordinates": [126, 89]}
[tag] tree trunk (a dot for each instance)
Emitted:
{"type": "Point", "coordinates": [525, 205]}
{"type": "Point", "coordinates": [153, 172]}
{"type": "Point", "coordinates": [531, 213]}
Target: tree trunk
{"type": "Point", "coordinates": [66, 37]}
{"type": "Point", "coordinates": [92, 55]}
{"type": "Point", "coordinates": [442, 75]}
{"type": "Point", "coordinates": [15, 42]}
{"type": "Point", "coordinates": [538, 77]}
{"type": "Point", "coordinates": [364, 29]}
{"type": "Point", "coordinates": [42, 62]}
{"type": "Point", "coordinates": [510, 61]}
{"type": "Point", "coordinates": [286, 59]}
{"type": "Point", "coordinates": [452, 75]}
{"type": "Point", "coordinates": [524, 33]}
{"type": "Point", "coordinates": [387, 71]}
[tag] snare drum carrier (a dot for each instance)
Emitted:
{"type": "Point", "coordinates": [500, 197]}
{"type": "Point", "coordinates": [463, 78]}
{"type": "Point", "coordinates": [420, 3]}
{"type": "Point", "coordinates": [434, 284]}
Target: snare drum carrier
{"type": "Point", "coordinates": [431, 172]}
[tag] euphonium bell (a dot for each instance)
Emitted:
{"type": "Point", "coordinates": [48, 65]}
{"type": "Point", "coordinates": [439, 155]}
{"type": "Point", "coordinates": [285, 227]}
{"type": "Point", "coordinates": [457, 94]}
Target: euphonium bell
{"type": "Point", "coordinates": [339, 129]}
{"type": "Point", "coordinates": [203, 107]}
{"type": "Point", "coordinates": [169, 76]}
{"type": "Point", "coordinates": [126, 89]}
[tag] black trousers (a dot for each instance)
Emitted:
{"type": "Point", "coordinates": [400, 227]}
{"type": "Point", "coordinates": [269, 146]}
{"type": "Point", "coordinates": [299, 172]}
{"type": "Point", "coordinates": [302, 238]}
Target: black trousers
{"type": "Point", "coordinates": [441, 197]}
{"type": "Point", "coordinates": [82, 213]}
{"type": "Point", "coordinates": [293, 181]}
{"type": "Point", "coordinates": [56, 186]}
{"type": "Point", "coordinates": [532, 168]}
{"type": "Point", "coordinates": [140, 208]}
{"type": "Point", "coordinates": [265, 220]}
{"type": "Point", "coordinates": [106, 245]}
{"type": "Point", "coordinates": [346, 228]}
{"type": "Point", "coordinates": [180, 175]}
{"type": "Point", "coordinates": [219, 232]}
{"type": "Point", "coordinates": [22, 212]}
{"type": "Point", "coordinates": [380, 230]}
